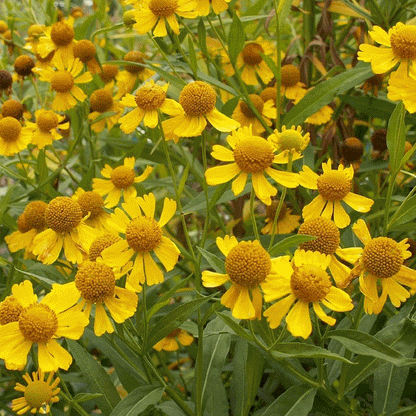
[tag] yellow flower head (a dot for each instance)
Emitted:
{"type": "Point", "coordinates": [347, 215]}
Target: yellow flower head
{"type": "Point", "coordinates": [247, 265]}
{"type": "Point", "coordinates": [100, 243]}
{"type": "Point", "coordinates": [40, 323]}
{"type": "Point", "coordinates": [253, 155]}
{"type": "Point", "coordinates": [286, 222]}
{"type": "Point", "coordinates": [333, 186]}
{"type": "Point", "coordinates": [120, 179]}
{"type": "Point", "coordinates": [302, 281]}
{"type": "Point", "coordinates": [86, 52]}
{"type": "Point", "coordinates": [171, 341]}
{"type": "Point", "coordinates": [13, 137]}
{"type": "Point", "coordinates": [291, 86]}
{"type": "Point", "coordinates": [402, 87]}
{"type": "Point", "coordinates": [38, 395]}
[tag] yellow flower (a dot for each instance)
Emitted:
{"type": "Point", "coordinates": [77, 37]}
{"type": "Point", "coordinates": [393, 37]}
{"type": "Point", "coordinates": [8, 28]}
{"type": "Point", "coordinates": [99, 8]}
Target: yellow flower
{"type": "Point", "coordinates": [253, 155]}
{"type": "Point", "coordinates": [34, 32]}
{"type": "Point", "coordinates": [86, 52]}
{"type": "Point", "coordinates": [143, 236]}
{"type": "Point", "coordinates": [170, 342]}
{"type": "Point", "coordinates": [38, 394]}
{"type": "Point", "coordinates": [291, 86]}
{"type": "Point", "coordinates": [333, 186]}
{"type": "Point", "coordinates": [246, 117]}
{"type": "Point", "coordinates": [63, 81]}
{"type": "Point", "coordinates": [286, 222]}
{"type": "Point", "coordinates": [198, 103]}
{"type": "Point", "coordinates": [66, 229]}
{"type": "Point", "coordinates": [302, 281]}
{"type": "Point", "coordinates": [202, 6]}
{"type": "Point", "coordinates": [381, 264]}
{"type": "Point", "coordinates": [402, 87]}
{"type": "Point", "coordinates": [95, 284]}
{"type": "Point", "coordinates": [148, 100]}
{"type": "Point", "coordinates": [154, 14]}
{"type": "Point", "coordinates": [13, 137]}
{"type": "Point", "coordinates": [247, 265]}
{"type": "Point", "coordinates": [45, 129]}
{"type": "Point", "coordinates": [40, 323]}
{"type": "Point", "coordinates": [100, 243]}
{"type": "Point", "coordinates": [122, 178]}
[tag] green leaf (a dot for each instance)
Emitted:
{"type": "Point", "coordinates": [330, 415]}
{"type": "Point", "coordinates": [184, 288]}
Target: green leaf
{"type": "Point", "coordinates": [97, 378]}
{"type": "Point", "coordinates": [138, 400]}
{"type": "Point", "coordinates": [84, 397]}
{"type": "Point", "coordinates": [358, 9]}
{"type": "Point", "coordinates": [324, 93]}
{"type": "Point", "coordinates": [215, 262]}
{"type": "Point", "coordinates": [235, 326]}
{"type": "Point", "coordinates": [236, 38]}
{"type": "Point", "coordinates": [202, 37]}
{"type": "Point", "coordinates": [289, 242]}
{"type": "Point", "coordinates": [405, 213]}
{"type": "Point", "coordinates": [192, 55]}
{"type": "Point", "coordinates": [396, 137]}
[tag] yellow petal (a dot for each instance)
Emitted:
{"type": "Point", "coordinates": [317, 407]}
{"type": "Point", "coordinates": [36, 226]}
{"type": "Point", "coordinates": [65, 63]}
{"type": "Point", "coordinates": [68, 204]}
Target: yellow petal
{"type": "Point", "coordinates": [23, 293]}
{"type": "Point", "coordinates": [226, 244]}
{"type": "Point", "coordinates": [169, 209]}
{"type": "Point", "coordinates": [168, 253]}
{"type": "Point", "coordinates": [153, 274]}
{"type": "Point", "coordinates": [277, 311]}
{"type": "Point", "coordinates": [299, 321]}
{"type": "Point", "coordinates": [322, 315]}
{"type": "Point", "coordinates": [239, 183]}
{"type": "Point", "coordinates": [221, 122]}
{"type": "Point", "coordinates": [314, 208]}
{"type": "Point", "coordinates": [338, 300]}
{"type": "Point", "coordinates": [243, 307]}
{"type": "Point", "coordinates": [212, 279]}
{"type": "Point", "coordinates": [341, 218]}
{"type": "Point", "coordinates": [358, 203]}
{"type": "Point", "coordinates": [262, 188]}
{"type": "Point", "coordinates": [221, 174]}
{"type": "Point", "coordinates": [361, 231]}
{"type": "Point", "coordinates": [102, 323]}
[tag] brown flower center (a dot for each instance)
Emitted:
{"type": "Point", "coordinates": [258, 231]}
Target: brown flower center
{"type": "Point", "coordinates": [137, 57]}
{"type": "Point", "coordinates": [334, 185]}
{"type": "Point", "coordinates": [252, 54]}
{"type": "Point", "coordinates": [12, 108]}
{"type": "Point", "coordinates": [91, 202]}
{"type": "Point", "coordinates": [108, 72]}
{"type": "Point", "coordinates": [101, 243]}
{"type": "Point", "coordinates": [257, 102]}
{"type": "Point", "coordinates": [290, 75]}
{"type": "Point", "coordinates": [84, 50]}
{"type": "Point", "coordinates": [10, 310]}
{"type": "Point", "coordinates": [101, 101]}
{"type": "Point", "coordinates": [47, 120]}
{"type": "Point", "coordinates": [38, 393]}
{"type": "Point", "coordinates": [62, 34]}
{"type": "Point", "coordinates": [163, 8]}
{"type": "Point", "coordinates": [197, 98]}
{"type": "Point", "coordinates": [10, 129]}
{"type": "Point", "coordinates": [62, 81]}
{"type": "Point", "coordinates": [63, 214]}
{"type": "Point", "coordinates": [35, 214]}
{"type": "Point", "coordinates": [150, 97]}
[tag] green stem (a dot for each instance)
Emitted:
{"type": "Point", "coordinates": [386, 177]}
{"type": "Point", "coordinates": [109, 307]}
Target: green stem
{"type": "Point", "coordinates": [144, 306]}
{"type": "Point", "coordinates": [392, 179]}
{"type": "Point", "coordinates": [164, 55]}
{"type": "Point", "coordinates": [252, 215]}
{"type": "Point", "coordinates": [279, 66]}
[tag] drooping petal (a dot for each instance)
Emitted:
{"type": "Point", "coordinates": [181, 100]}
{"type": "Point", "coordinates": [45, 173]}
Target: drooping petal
{"type": "Point", "coordinates": [221, 174]}
{"type": "Point", "coordinates": [262, 188]}
{"type": "Point", "coordinates": [341, 218]}
{"type": "Point", "coordinates": [221, 122]}
{"type": "Point", "coordinates": [169, 209]}
{"type": "Point", "coordinates": [322, 315]}
{"type": "Point", "coordinates": [243, 307]}
{"type": "Point", "coordinates": [277, 311]}
{"type": "Point", "coordinates": [102, 323]}
{"type": "Point", "coordinates": [314, 208]}
{"type": "Point", "coordinates": [358, 202]}
{"type": "Point", "coordinates": [361, 231]}
{"type": "Point", "coordinates": [168, 253]}
{"type": "Point", "coordinates": [153, 274]}
{"type": "Point", "coordinates": [338, 300]}
{"type": "Point", "coordinates": [299, 321]}
{"type": "Point", "coordinates": [222, 153]}
{"type": "Point", "coordinates": [212, 279]}
{"type": "Point", "coordinates": [239, 183]}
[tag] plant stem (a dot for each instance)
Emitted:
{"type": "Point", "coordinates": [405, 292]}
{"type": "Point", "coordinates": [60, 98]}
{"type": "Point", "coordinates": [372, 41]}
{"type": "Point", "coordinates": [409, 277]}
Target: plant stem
{"type": "Point", "coordinates": [252, 216]}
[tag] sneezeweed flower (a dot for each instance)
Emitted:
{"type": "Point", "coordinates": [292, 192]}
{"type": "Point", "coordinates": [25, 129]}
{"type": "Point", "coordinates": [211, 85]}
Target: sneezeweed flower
{"type": "Point", "coordinates": [402, 87]}
{"type": "Point", "coordinates": [23, 65]}
{"type": "Point", "coordinates": [144, 236]}
{"type": "Point", "coordinates": [66, 229]}
{"type": "Point", "coordinates": [12, 108]}
{"type": "Point", "coordinates": [171, 341]}
{"type": "Point", "coordinates": [380, 266]}
{"type": "Point", "coordinates": [333, 186]}
{"type": "Point", "coordinates": [13, 137]}
{"type": "Point", "coordinates": [95, 284]}
{"type": "Point", "coordinates": [44, 131]}
{"type": "Point", "coordinates": [6, 81]}
{"type": "Point", "coordinates": [148, 100]}
{"type": "Point", "coordinates": [303, 281]}
{"type": "Point", "coordinates": [291, 86]}
{"type": "Point", "coordinates": [63, 81]}
{"type": "Point", "coordinates": [286, 222]}
{"type": "Point", "coordinates": [38, 394]}
{"type": "Point", "coordinates": [198, 102]}
{"type": "Point", "coordinates": [33, 35]}
{"type": "Point", "coordinates": [40, 323]}
{"type": "Point", "coordinates": [109, 73]}
{"type": "Point", "coordinates": [119, 180]}
{"type": "Point", "coordinates": [253, 155]}
{"type": "Point", "coordinates": [352, 150]}
{"type": "Point", "coordinates": [247, 265]}
{"type": "Point", "coordinates": [244, 115]}
{"type": "Point", "coordinates": [269, 93]}
{"type": "Point", "coordinates": [86, 52]}
{"type": "Point", "coordinates": [10, 310]}
{"type": "Point", "coordinates": [154, 14]}
{"type": "Point", "coordinates": [100, 243]}
{"type": "Point", "coordinates": [218, 6]}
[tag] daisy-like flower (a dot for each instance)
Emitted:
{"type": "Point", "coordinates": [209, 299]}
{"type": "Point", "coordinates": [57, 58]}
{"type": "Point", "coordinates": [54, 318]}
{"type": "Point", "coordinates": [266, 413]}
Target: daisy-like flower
{"type": "Point", "coordinates": [402, 87]}
{"type": "Point", "coordinates": [122, 178]}
{"type": "Point", "coordinates": [246, 117]}
{"type": "Point", "coordinates": [154, 14]}
{"type": "Point", "coordinates": [40, 323]}
{"type": "Point", "coordinates": [143, 236]}
{"type": "Point", "coordinates": [302, 281]}
{"type": "Point", "coordinates": [101, 101]}
{"type": "Point", "coordinates": [10, 310]}
{"type": "Point", "coordinates": [218, 6]}
{"type": "Point", "coordinates": [289, 142]}
{"type": "Point", "coordinates": [198, 102]}
{"type": "Point", "coordinates": [172, 340]}
{"type": "Point", "coordinates": [33, 35]}
{"type": "Point", "coordinates": [253, 155]}
{"type": "Point", "coordinates": [44, 131]}
{"type": "Point", "coordinates": [66, 229]}
{"type": "Point", "coordinates": [286, 222]}
{"type": "Point", "coordinates": [251, 63]}
{"type": "Point", "coordinates": [23, 66]}
{"type": "Point", "coordinates": [333, 186]}
{"type": "Point", "coordinates": [291, 86]}
{"type": "Point", "coordinates": [247, 265]}
{"type": "Point", "coordinates": [63, 81]}
{"type": "Point", "coordinates": [148, 99]}
{"type": "Point", "coordinates": [38, 394]}
{"type": "Point", "coordinates": [86, 52]}
{"type": "Point", "coordinates": [100, 243]}
{"type": "Point", "coordinates": [13, 137]}
{"type": "Point", "coordinates": [380, 266]}
{"type": "Point", "coordinates": [95, 284]}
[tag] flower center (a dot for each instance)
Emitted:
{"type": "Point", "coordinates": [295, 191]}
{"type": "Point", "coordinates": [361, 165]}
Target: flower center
{"type": "Point", "coordinates": [12, 108]}
{"type": "Point", "coordinates": [122, 177]}
{"type": "Point", "coordinates": [35, 214]}
{"type": "Point", "coordinates": [95, 281]}
{"type": "Point", "coordinates": [47, 120]}
{"type": "Point", "coordinates": [10, 310]}
{"type": "Point", "coordinates": [62, 34]}
{"type": "Point", "coordinates": [150, 97]}
{"type": "Point", "coordinates": [248, 264]}
{"type": "Point", "coordinates": [6, 79]}
{"type": "Point", "coordinates": [352, 149]}
{"type": "Point", "coordinates": [84, 50]}
{"type": "Point", "coordinates": [143, 234]}
{"type": "Point", "coordinates": [379, 140]}
{"type": "Point", "coordinates": [269, 93]}
{"type": "Point", "coordinates": [22, 224]}
{"type": "Point", "coordinates": [382, 257]}
{"type": "Point", "coordinates": [134, 56]}
{"type": "Point", "coordinates": [253, 154]}
{"type": "Point", "coordinates": [38, 393]}
{"type": "Point", "coordinates": [163, 8]}
{"type": "Point", "coordinates": [91, 202]}
{"type": "Point", "coordinates": [272, 208]}
{"type": "Point", "coordinates": [257, 102]}
{"type": "Point", "coordinates": [23, 65]}
{"type": "Point", "coordinates": [100, 244]}
{"type": "Point", "coordinates": [310, 283]}
{"type": "Point", "coordinates": [197, 98]}
{"type": "Point", "coordinates": [252, 54]}
{"type": "Point", "coordinates": [333, 185]}
{"type": "Point", "coordinates": [174, 333]}
{"type": "Point", "coordinates": [291, 140]}
{"type": "Point", "coordinates": [327, 234]}
{"type": "Point", "coordinates": [38, 323]}
{"type": "Point", "coordinates": [10, 129]}
{"type": "Point", "coordinates": [62, 81]}
{"type": "Point", "coordinates": [108, 72]}
{"type": "Point", "coordinates": [101, 101]}
{"type": "Point", "coordinates": [35, 31]}
{"type": "Point", "coordinates": [63, 214]}
{"type": "Point", "coordinates": [403, 42]}
{"type": "Point", "coordinates": [290, 75]}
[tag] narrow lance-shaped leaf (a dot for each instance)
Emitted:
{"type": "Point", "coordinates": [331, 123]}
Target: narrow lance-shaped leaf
{"type": "Point", "coordinates": [396, 138]}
